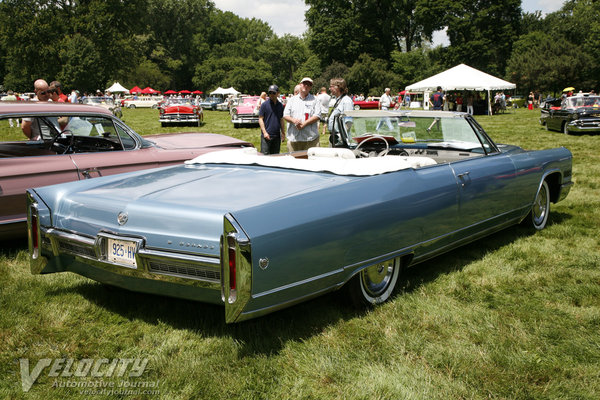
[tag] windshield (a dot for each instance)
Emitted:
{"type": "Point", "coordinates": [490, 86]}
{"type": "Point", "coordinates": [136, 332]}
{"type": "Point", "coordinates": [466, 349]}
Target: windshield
{"type": "Point", "coordinates": [250, 101]}
{"type": "Point", "coordinates": [179, 101]}
{"type": "Point", "coordinates": [581, 101]}
{"type": "Point", "coordinates": [445, 130]}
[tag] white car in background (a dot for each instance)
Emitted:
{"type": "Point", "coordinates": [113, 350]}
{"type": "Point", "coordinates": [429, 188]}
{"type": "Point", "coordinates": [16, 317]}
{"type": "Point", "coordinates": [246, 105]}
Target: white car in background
{"type": "Point", "coordinates": [105, 102]}
{"type": "Point", "coordinates": [143, 102]}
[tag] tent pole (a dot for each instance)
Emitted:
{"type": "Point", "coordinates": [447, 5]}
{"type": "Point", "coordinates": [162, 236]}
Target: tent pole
{"type": "Point", "coordinates": [489, 103]}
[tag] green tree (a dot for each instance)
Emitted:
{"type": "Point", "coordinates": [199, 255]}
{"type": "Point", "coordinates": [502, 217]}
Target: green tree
{"type": "Point", "coordinates": [245, 74]}
{"type": "Point", "coordinates": [79, 60]}
{"type": "Point", "coordinates": [285, 55]}
{"type": "Point", "coordinates": [546, 63]}
{"type": "Point", "coordinates": [178, 30]}
{"type": "Point", "coordinates": [413, 66]}
{"type": "Point", "coordinates": [370, 76]}
{"type": "Point", "coordinates": [482, 32]}
{"type": "Point", "coordinates": [30, 32]}
{"type": "Point", "coordinates": [333, 70]}
{"type": "Point", "coordinates": [341, 30]}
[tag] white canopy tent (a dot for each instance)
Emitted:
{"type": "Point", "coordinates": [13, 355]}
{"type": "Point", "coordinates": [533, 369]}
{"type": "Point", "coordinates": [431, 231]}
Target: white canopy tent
{"type": "Point", "coordinates": [225, 92]}
{"type": "Point", "coordinates": [117, 88]}
{"type": "Point", "coordinates": [461, 77]}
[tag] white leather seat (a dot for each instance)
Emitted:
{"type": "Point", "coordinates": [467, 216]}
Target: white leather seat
{"type": "Point", "coordinates": [330, 152]}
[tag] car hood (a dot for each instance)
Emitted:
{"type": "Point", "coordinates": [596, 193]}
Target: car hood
{"type": "Point", "coordinates": [179, 108]}
{"type": "Point", "coordinates": [175, 141]}
{"type": "Point", "coordinates": [246, 108]}
{"type": "Point", "coordinates": [174, 205]}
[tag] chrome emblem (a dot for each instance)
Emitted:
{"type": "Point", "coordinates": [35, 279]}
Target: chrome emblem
{"type": "Point", "coordinates": [263, 263]}
{"type": "Point", "coordinates": [122, 218]}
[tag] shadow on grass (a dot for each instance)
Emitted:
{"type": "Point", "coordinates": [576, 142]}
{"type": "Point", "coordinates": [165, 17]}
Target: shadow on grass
{"type": "Point", "coordinates": [456, 259]}
{"type": "Point", "coordinates": [10, 248]}
{"type": "Point", "coordinates": [269, 334]}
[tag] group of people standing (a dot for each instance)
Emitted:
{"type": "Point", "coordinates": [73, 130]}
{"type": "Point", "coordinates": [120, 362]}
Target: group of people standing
{"type": "Point", "coordinates": [451, 102]}
{"type": "Point", "coordinates": [298, 121]}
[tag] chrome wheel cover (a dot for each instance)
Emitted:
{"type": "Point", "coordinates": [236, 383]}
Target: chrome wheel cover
{"type": "Point", "coordinates": [540, 207]}
{"type": "Point", "coordinates": [376, 279]}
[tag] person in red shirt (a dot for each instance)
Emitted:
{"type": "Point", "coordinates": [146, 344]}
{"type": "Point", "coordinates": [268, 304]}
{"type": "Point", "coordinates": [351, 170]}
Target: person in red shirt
{"type": "Point", "coordinates": [57, 87]}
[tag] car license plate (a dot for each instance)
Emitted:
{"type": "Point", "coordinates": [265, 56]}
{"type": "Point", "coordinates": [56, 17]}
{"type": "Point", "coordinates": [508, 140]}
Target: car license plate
{"type": "Point", "coordinates": [121, 252]}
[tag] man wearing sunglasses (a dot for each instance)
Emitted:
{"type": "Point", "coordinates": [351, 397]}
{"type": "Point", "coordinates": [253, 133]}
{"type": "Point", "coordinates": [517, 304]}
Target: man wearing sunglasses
{"type": "Point", "coordinates": [272, 124]}
{"type": "Point", "coordinates": [30, 126]}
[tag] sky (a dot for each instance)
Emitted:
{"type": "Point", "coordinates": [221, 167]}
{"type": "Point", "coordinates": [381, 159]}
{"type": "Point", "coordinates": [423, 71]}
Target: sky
{"type": "Point", "coordinates": [287, 16]}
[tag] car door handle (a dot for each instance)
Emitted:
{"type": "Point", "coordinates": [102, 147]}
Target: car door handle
{"type": "Point", "coordinates": [87, 173]}
{"type": "Point", "coordinates": [463, 177]}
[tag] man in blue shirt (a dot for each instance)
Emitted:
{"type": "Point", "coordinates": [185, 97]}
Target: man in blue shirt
{"type": "Point", "coordinates": [437, 99]}
{"type": "Point", "coordinates": [272, 124]}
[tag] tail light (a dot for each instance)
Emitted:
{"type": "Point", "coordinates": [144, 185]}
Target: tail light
{"type": "Point", "coordinates": [33, 231]}
{"type": "Point", "coordinates": [236, 269]}
{"type": "Point", "coordinates": [232, 264]}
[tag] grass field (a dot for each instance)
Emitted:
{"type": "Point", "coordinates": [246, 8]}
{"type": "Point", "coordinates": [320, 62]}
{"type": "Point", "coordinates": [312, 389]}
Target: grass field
{"type": "Point", "coordinates": [513, 316]}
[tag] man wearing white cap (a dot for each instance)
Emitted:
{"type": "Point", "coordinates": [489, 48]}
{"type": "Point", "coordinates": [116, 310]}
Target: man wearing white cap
{"type": "Point", "coordinates": [303, 112]}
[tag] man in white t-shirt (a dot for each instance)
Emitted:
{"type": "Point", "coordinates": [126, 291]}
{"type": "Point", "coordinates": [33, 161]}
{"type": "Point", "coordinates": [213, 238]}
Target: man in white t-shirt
{"type": "Point", "coordinates": [303, 112]}
{"type": "Point", "coordinates": [385, 102]}
{"type": "Point", "coordinates": [324, 98]}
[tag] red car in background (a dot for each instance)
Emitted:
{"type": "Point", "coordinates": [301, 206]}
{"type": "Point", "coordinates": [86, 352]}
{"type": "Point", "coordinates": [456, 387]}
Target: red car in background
{"type": "Point", "coordinates": [180, 111]}
{"type": "Point", "coordinates": [370, 104]}
{"type": "Point", "coordinates": [81, 142]}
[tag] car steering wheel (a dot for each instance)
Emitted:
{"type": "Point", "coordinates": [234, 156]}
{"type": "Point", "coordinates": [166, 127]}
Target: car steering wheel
{"type": "Point", "coordinates": [373, 136]}
{"type": "Point", "coordinates": [60, 146]}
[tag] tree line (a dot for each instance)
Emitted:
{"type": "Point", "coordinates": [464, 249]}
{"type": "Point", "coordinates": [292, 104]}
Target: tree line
{"type": "Point", "coordinates": [190, 44]}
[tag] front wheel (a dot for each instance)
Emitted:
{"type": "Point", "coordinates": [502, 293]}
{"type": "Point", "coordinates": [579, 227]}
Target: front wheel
{"type": "Point", "coordinates": [375, 284]}
{"type": "Point", "coordinates": [565, 130]}
{"type": "Point", "coordinates": [540, 211]}
{"type": "Point", "coordinates": [356, 107]}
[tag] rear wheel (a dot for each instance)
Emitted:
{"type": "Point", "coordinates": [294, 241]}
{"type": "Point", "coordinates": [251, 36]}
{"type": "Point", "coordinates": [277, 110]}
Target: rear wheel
{"type": "Point", "coordinates": [356, 107]}
{"type": "Point", "coordinates": [375, 284]}
{"type": "Point", "coordinates": [540, 211]}
{"type": "Point", "coordinates": [132, 106]}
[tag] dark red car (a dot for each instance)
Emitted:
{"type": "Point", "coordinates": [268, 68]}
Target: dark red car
{"type": "Point", "coordinates": [370, 104]}
{"type": "Point", "coordinates": [80, 142]}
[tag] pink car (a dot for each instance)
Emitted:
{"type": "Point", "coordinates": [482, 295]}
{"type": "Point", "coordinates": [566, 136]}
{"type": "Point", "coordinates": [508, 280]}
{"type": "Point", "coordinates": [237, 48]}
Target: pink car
{"type": "Point", "coordinates": [246, 112]}
{"type": "Point", "coordinates": [81, 142]}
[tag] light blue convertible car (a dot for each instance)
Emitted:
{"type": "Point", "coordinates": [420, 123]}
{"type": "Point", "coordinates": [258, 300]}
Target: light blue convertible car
{"type": "Point", "coordinates": [258, 233]}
